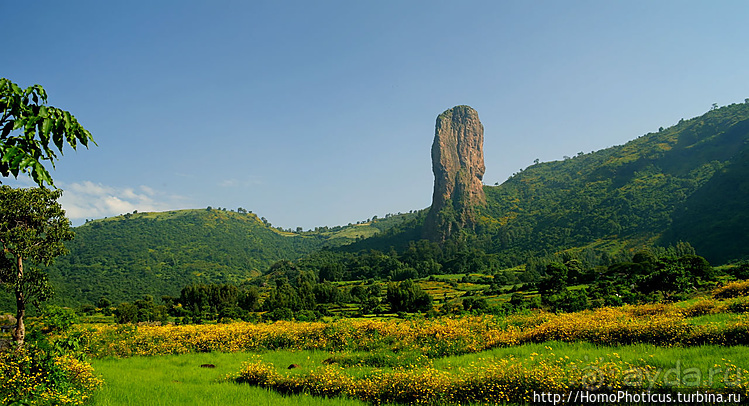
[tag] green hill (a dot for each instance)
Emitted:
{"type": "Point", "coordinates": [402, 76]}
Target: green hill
{"type": "Point", "coordinates": [685, 183]}
{"type": "Point", "coordinates": [125, 257]}
{"type": "Point", "coordinates": [689, 182]}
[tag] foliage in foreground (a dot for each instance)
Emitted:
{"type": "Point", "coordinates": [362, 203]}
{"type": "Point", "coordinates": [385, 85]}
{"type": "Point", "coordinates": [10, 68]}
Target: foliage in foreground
{"type": "Point", "coordinates": [380, 361]}
{"type": "Point", "coordinates": [33, 228]}
{"type": "Point", "coordinates": [34, 377]}
{"type": "Point", "coordinates": [40, 128]}
{"type": "Point", "coordinates": [178, 380]}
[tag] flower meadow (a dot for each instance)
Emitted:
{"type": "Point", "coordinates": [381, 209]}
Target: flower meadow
{"type": "Point", "coordinates": [469, 359]}
{"type": "Point", "coordinates": [31, 377]}
{"type": "Point", "coordinates": [660, 324]}
{"type": "Point", "coordinates": [511, 379]}
{"type": "Point", "coordinates": [399, 360]}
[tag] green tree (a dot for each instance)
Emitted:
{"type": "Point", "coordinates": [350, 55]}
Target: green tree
{"type": "Point", "coordinates": [29, 129]}
{"type": "Point", "coordinates": [555, 280]}
{"type": "Point", "coordinates": [359, 293]}
{"type": "Point", "coordinates": [326, 292]}
{"type": "Point", "coordinates": [283, 295]}
{"type": "Point", "coordinates": [331, 271]}
{"type": "Point", "coordinates": [477, 304]}
{"type": "Point", "coordinates": [103, 303]}
{"type": "Point", "coordinates": [408, 296]}
{"type": "Point", "coordinates": [126, 313]}
{"type": "Point", "coordinates": [249, 299]}
{"type": "Point", "coordinates": [33, 227]}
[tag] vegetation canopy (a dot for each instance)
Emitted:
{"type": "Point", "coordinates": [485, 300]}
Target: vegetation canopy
{"type": "Point", "coordinates": [30, 131]}
{"type": "Point", "coordinates": [33, 228]}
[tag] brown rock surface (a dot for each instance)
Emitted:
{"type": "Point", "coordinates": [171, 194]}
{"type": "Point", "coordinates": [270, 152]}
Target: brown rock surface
{"type": "Point", "coordinates": [458, 166]}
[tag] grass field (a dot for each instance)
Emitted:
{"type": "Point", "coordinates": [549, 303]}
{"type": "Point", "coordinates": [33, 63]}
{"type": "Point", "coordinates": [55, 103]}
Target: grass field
{"type": "Point", "coordinates": [179, 380]}
{"type": "Point", "coordinates": [698, 345]}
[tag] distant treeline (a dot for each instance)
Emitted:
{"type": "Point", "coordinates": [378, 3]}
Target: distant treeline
{"type": "Point", "coordinates": [293, 291]}
{"type": "Point", "coordinates": [302, 300]}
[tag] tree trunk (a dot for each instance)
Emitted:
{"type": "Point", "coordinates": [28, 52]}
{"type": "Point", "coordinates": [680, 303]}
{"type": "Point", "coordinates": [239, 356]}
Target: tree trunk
{"type": "Point", "coordinates": [19, 334]}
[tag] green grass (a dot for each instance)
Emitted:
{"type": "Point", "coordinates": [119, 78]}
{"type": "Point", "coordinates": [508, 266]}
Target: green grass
{"type": "Point", "coordinates": [717, 318]}
{"type": "Point", "coordinates": [179, 380]}
{"type": "Point", "coordinates": [679, 360]}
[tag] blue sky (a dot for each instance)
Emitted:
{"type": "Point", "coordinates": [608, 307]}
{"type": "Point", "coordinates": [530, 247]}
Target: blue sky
{"type": "Point", "coordinates": [314, 113]}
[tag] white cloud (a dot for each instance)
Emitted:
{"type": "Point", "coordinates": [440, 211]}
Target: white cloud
{"type": "Point", "coordinates": [229, 183]}
{"type": "Point", "coordinates": [147, 190]}
{"type": "Point", "coordinates": [245, 182]}
{"type": "Point", "coordinates": [93, 200]}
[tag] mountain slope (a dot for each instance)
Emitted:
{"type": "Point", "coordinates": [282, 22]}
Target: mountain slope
{"type": "Point", "coordinates": [715, 219]}
{"type": "Point", "coordinates": [689, 182]}
{"type": "Point", "coordinates": [648, 190]}
{"type": "Point", "coordinates": [125, 257]}
{"type": "Point", "coordinates": [128, 256]}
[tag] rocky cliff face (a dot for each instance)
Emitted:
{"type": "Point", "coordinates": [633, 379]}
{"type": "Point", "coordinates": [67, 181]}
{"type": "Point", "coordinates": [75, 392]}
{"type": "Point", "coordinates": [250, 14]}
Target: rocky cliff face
{"type": "Point", "coordinates": [458, 166]}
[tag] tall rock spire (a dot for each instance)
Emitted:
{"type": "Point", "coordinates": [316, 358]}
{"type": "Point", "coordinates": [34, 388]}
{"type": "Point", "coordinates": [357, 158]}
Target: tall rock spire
{"type": "Point", "coordinates": [458, 166]}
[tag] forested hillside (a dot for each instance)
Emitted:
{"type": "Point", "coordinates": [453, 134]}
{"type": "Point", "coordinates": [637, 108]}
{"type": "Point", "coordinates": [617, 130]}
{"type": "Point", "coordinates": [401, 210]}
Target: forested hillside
{"type": "Point", "coordinates": [689, 182]}
{"type": "Point", "coordinates": [126, 257]}
{"type": "Point", "coordinates": [684, 183]}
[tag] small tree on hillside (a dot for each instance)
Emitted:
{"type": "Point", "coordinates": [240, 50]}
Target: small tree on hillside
{"type": "Point", "coordinates": [33, 227]}
{"type": "Point", "coordinates": [407, 296]}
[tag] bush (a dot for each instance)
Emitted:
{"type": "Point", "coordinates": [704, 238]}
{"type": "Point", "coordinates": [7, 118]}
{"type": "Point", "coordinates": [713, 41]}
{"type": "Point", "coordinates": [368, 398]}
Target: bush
{"type": "Point", "coordinates": [59, 318]}
{"type": "Point", "coordinates": [731, 290]}
{"type": "Point", "coordinates": [740, 271]}
{"type": "Point", "coordinates": [568, 301]}
{"type": "Point", "coordinates": [281, 313]}
{"type": "Point", "coordinates": [126, 313]}
{"type": "Point", "coordinates": [307, 315]}
{"type": "Point", "coordinates": [31, 376]}
{"type": "Point", "coordinates": [739, 306]}
{"type": "Point", "coordinates": [701, 308]}
{"type": "Point", "coordinates": [477, 305]}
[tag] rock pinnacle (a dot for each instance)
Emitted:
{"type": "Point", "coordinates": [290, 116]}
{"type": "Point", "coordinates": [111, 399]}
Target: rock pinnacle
{"type": "Point", "coordinates": [458, 166]}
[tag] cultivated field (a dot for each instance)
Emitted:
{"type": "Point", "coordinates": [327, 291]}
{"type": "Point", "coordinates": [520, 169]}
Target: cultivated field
{"type": "Point", "coordinates": [670, 349]}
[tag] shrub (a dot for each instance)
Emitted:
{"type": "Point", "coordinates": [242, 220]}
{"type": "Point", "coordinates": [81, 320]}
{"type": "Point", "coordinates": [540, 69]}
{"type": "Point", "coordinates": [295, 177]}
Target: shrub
{"type": "Point", "coordinates": [31, 376]}
{"type": "Point", "coordinates": [701, 308]}
{"type": "Point", "coordinates": [740, 271]}
{"type": "Point", "coordinates": [126, 313]}
{"type": "Point", "coordinates": [490, 382]}
{"type": "Point", "coordinates": [739, 306]}
{"type": "Point", "coordinates": [732, 289]}
{"type": "Point", "coordinates": [59, 318]}
{"type": "Point", "coordinates": [281, 313]}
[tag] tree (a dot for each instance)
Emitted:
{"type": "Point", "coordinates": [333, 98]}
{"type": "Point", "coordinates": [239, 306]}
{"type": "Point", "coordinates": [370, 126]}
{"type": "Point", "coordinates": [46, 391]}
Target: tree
{"type": "Point", "coordinates": [40, 128]}
{"type": "Point", "coordinates": [126, 313]}
{"type": "Point", "coordinates": [33, 227]}
{"type": "Point", "coordinates": [408, 296]}
{"type": "Point", "coordinates": [249, 299]}
{"type": "Point", "coordinates": [555, 280]}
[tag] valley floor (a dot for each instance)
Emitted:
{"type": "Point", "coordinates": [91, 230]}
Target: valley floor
{"type": "Point", "coordinates": [180, 380]}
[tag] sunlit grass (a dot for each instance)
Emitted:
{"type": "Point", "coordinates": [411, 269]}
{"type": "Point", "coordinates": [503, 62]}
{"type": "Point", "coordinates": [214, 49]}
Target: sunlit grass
{"type": "Point", "coordinates": [509, 374]}
{"type": "Point", "coordinates": [426, 358]}
{"type": "Point", "coordinates": [703, 357]}
{"type": "Point", "coordinates": [717, 318]}
{"type": "Point", "coordinates": [179, 380]}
